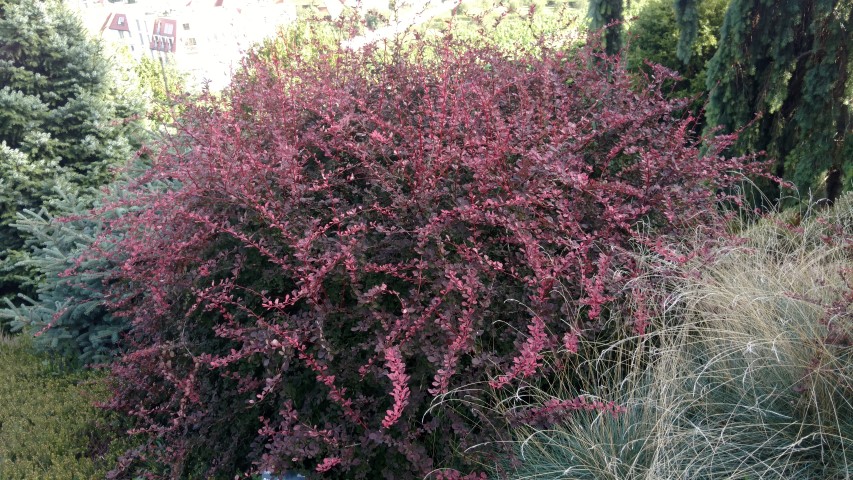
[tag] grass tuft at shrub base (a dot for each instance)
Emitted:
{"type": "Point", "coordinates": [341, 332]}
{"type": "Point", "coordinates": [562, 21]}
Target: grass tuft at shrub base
{"type": "Point", "coordinates": [749, 374]}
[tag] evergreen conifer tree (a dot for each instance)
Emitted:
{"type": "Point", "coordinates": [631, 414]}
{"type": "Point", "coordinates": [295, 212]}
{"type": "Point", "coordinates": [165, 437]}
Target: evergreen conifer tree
{"type": "Point", "coordinates": [790, 62]}
{"type": "Point", "coordinates": [687, 18]}
{"type": "Point", "coordinates": [603, 13]}
{"type": "Point", "coordinates": [69, 316]}
{"type": "Point", "coordinates": [60, 119]}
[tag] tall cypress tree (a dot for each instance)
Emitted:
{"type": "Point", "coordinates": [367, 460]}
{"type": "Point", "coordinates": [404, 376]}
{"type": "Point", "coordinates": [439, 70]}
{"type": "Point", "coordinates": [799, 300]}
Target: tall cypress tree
{"type": "Point", "coordinates": [603, 13]}
{"type": "Point", "coordinates": [789, 61]}
{"type": "Point", "coordinates": [60, 119]}
{"type": "Point", "coordinates": [687, 19]}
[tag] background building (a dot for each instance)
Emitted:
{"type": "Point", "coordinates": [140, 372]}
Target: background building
{"type": "Point", "coordinates": [205, 39]}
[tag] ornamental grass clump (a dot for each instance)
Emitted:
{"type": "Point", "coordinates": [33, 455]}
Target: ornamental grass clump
{"type": "Point", "coordinates": [748, 374]}
{"type": "Point", "coordinates": [350, 233]}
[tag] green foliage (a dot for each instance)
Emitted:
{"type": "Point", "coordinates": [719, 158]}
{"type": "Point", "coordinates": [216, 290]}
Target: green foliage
{"type": "Point", "coordinates": [528, 27]}
{"type": "Point", "coordinates": [791, 63]}
{"type": "Point", "coordinates": [687, 17]}
{"type": "Point", "coordinates": [161, 83]}
{"type": "Point", "coordinates": [514, 29]}
{"type": "Point", "coordinates": [69, 310]}
{"type": "Point", "coordinates": [48, 426]}
{"type": "Point", "coordinates": [305, 40]}
{"type": "Point", "coordinates": [23, 183]}
{"type": "Point", "coordinates": [655, 37]}
{"type": "Point", "coordinates": [61, 120]}
{"type": "Point", "coordinates": [511, 26]}
{"type": "Point", "coordinates": [373, 19]}
{"type": "Point", "coordinates": [603, 13]}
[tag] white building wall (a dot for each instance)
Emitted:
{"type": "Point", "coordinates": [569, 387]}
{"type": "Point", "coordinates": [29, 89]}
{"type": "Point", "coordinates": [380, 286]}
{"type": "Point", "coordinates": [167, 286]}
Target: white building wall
{"type": "Point", "coordinates": [210, 40]}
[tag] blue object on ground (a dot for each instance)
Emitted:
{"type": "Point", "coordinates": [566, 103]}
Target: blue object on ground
{"type": "Point", "coordinates": [287, 476]}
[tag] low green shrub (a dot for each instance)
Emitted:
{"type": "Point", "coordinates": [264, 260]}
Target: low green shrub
{"type": "Point", "coordinates": [48, 426]}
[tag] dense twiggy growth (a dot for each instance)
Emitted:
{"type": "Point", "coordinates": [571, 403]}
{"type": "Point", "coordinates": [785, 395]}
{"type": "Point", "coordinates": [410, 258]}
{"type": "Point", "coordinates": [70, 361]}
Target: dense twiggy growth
{"type": "Point", "coordinates": [349, 234]}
